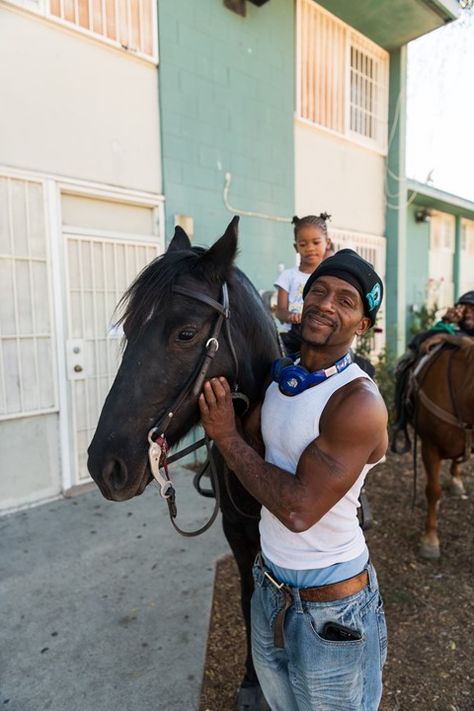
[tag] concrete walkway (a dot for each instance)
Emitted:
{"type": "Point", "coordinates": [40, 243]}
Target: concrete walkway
{"type": "Point", "coordinates": [103, 606]}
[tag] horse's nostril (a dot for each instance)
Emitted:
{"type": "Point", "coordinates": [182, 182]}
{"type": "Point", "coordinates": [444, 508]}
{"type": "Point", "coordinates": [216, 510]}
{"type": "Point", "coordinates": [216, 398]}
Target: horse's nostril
{"type": "Point", "coordinates": [115, 474]}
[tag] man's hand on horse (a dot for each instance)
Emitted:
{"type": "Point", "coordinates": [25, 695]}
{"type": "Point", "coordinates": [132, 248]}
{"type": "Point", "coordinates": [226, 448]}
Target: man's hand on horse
{"type": "Point", "coordinates": [217, 410]}
{"type": "Point", "coordinates": [432, 341]}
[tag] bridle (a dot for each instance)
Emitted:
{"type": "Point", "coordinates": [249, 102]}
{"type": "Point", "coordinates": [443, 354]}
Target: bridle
{"type": "Point", "coordinates": [158, 445]}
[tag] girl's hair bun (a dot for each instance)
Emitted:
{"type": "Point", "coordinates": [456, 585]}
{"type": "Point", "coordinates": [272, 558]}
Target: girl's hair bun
{"type": "Point", "coordinates": [325, 216]}
{"type": "Point", "coordinates": [295, 220]}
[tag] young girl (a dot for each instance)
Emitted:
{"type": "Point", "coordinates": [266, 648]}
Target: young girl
{"type": "Point", "coordinates": [311, 243]}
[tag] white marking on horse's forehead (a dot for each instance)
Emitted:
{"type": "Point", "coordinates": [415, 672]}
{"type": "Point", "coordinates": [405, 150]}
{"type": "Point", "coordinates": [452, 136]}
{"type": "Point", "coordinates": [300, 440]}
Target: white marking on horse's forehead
{"type": "Point", "coordinates": [149, 315]}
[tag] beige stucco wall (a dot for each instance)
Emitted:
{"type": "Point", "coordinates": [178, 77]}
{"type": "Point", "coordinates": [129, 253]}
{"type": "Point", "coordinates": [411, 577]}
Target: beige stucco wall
{"type": "Point", "coordinates": [340, 177]}
{"type": "Point", "coordinates": [75, 107]}
{"type": "Point", "coordinates": [29, 460]}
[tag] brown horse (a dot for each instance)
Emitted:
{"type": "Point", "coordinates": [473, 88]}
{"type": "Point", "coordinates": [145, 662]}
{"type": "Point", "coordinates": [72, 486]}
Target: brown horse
{"type": "Point", "coordinates": [442, 415]}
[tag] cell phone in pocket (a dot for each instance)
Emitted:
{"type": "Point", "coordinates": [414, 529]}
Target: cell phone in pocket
{"type": "Point", "coordinates": [335, 632]}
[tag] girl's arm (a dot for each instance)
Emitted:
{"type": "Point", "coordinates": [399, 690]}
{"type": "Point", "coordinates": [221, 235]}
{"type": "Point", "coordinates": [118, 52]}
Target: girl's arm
{"type": "Point", "coordinates": [281, 311]}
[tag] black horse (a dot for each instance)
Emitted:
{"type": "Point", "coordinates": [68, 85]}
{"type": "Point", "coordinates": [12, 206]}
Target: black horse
{"type": "Point", "coordinates": [175, 315]}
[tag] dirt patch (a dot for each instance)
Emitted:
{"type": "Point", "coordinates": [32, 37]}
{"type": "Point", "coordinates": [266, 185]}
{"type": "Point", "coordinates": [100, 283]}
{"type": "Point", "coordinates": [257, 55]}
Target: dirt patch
{"type": "Point", "coordinates": [429, 604]}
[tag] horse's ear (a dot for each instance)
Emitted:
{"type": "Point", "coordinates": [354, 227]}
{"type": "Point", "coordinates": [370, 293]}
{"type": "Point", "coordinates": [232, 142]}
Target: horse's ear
{"type": "Point", "coordinates": [180, 240]}
{"type": "Point", "coordinates": [219, 258]}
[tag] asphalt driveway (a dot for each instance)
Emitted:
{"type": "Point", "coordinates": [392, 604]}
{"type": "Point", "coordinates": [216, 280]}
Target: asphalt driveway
{"type": "Point", "coordinates": [103, 606]}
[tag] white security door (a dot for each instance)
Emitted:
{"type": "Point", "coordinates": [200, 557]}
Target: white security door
{"type": "Point", "coordinates": [100, 268]}
{"type": "Point", "coordinates": [440, 267]}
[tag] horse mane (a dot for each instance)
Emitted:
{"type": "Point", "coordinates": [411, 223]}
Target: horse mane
{"type": "Point", "coordinates": [151, 291]}
{"type": "Point", "coordinates": [152, 288]}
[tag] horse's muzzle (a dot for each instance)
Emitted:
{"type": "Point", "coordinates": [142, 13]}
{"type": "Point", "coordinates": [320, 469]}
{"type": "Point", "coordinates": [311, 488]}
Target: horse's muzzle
{"type": "Point", "coordinates": [113, 479]}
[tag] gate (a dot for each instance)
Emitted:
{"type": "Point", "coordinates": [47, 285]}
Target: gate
{"type": "Point", "coordinates": [99, 272]}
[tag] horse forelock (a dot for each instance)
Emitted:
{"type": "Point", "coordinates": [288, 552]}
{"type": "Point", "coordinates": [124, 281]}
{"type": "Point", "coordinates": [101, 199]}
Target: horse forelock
{"type": "Point", "coordinates": [151, 291]}
{"type": "Point", "coordinates": [151, 295]}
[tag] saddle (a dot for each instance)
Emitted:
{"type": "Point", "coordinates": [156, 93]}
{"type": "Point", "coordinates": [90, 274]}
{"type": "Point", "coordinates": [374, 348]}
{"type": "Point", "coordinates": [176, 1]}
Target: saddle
{"type": "Point", "coordinates": [409, 371]}
{"type": "Point", "coordinates": [409, 384]}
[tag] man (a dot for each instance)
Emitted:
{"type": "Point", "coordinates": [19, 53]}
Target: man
{"type": "Point", "coordinates": [456, 326]}
{"type": "Point", "coordinates": [318, 628]}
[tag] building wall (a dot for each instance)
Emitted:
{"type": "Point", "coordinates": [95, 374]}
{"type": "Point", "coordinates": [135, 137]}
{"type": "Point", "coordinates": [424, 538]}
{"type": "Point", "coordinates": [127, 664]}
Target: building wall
{"type": "Point", "coordinates": [75, 107]}
{"type": "Point", "coordinates": [72, 109]}
{"type": "Point", "coordinates": [227, 92]}
{"type": "Point", "coordinates": [29, 473]}
{"type": "Point", "coordinates": [417, 262]}
{"type": "Point", "coordinates": [339, 177]}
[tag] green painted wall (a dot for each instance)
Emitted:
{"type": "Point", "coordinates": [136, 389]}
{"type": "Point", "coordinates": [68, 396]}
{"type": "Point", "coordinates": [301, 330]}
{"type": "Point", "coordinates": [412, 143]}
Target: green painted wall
{"type": "Point", "coordinates": [396, 203]}
{"type": "Point", "coordinates": [227, 102]}
{"type": "Point", "coordinates": [418, 244]}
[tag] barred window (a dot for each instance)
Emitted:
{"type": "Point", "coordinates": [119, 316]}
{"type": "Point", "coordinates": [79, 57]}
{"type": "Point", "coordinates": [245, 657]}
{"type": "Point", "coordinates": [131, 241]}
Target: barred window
{"type": "Point", "coordinates": [373, 248]}
{"type": "Point", "coordinates": [129, 24]}
{"type": "Point", "coordinates": [342, 77]}
{"type": "Point", "coordinates": [27, 383]}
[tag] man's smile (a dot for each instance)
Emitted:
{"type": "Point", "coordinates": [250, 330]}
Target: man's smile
{"type": "Point", "coordinates": [317, 318]}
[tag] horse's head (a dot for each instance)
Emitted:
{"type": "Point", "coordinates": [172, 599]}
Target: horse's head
{"type": "Point", "coordinates": [166, 330]}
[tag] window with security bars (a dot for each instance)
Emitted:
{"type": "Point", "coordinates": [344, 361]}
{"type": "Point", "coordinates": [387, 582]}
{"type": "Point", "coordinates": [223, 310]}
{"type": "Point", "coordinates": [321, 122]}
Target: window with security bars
{"type": "Point", "coordinates": [129, 24]}
{"type": "Point", "coordinates": [26, 343]}
{"type": "Point", "coordinates": [373, 248]}
{"type": "Point", "coordinates": [342, 78]}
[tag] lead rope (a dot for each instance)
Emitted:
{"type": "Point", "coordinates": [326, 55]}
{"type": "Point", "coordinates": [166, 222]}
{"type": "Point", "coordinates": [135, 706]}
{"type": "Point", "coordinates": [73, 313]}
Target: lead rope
{"type": "Point", "coordinates": [157, 455]}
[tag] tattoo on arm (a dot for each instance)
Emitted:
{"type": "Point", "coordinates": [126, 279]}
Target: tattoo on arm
{"type": "Point", "coordinates": [324, 459]}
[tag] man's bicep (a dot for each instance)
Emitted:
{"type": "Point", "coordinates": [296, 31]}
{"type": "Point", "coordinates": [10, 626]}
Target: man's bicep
{"type": "Point", "coordinates": [346, 442]}
{"type": "Point", "coordinates": [325, 465]}
{"type": "Point", "coordinates": [324, 480]}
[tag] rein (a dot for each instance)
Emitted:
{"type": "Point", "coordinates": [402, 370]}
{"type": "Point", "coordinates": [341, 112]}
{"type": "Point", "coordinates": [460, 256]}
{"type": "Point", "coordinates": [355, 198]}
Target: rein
{"type": "Point", "coordinates": [158, 445]}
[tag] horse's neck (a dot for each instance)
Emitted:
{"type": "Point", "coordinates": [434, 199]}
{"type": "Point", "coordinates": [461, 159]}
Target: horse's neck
{"type": "Point", "coordinates": [255, 337]}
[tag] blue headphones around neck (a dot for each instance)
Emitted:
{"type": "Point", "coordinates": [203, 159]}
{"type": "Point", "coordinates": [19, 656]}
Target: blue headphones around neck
{"type": "Point", "coordinates": [293, 379]}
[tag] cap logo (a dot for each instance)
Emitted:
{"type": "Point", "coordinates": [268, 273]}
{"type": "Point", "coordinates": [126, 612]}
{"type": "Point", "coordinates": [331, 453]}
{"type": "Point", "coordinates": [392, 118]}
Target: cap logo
{"type": "Point", "coordinates": [374, 297]}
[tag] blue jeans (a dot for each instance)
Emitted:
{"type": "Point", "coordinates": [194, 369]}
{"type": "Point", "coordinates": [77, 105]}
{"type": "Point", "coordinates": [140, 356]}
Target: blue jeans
{"type": "Point", "coordinates": [310, 672]}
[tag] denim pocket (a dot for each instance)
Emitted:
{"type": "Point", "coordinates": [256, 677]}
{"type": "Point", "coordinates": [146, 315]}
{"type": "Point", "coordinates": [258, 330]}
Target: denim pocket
{"type": "Point", "coordinates": [347, 612]}
{"type": "Point", "coordinates": [317, 629]}
{"type": "Point", "coordinates": [329, 671]}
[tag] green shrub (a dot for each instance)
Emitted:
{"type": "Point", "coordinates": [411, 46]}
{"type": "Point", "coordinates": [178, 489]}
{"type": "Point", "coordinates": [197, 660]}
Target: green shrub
{"type": "Point", "coordinates": [423, 318]}
{"type": "Point", "coordinates": [385, 379]}
{"type": "Point", "coordinates": [365, 344]}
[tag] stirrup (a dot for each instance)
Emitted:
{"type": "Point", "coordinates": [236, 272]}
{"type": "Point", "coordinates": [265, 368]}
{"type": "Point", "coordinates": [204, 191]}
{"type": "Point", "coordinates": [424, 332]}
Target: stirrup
{"type": "Point", "coordinates": [406, 447]}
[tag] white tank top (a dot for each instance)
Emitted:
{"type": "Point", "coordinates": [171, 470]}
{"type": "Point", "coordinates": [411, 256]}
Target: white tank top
{"type": "Point", "coordinates": [289, 424]}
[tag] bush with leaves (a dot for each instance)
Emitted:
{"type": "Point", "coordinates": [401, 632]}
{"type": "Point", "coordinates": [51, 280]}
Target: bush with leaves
{"type": "Point", "coordinates": [423, 318]}
{"type": "Point", "coordinates": [385, 379]}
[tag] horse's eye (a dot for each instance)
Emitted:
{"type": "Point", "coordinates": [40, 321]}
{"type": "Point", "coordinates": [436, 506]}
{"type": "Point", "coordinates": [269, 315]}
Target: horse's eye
{"type": "Point", "coordinates": [187, 334]}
